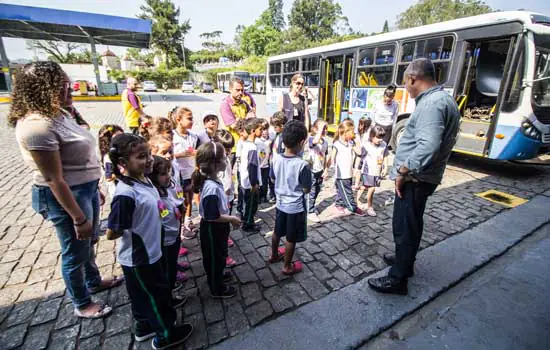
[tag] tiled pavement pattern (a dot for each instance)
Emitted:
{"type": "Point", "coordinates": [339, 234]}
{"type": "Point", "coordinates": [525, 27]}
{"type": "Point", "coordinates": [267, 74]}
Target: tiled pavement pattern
{"type": "Point", "coordinates": [35, 313]}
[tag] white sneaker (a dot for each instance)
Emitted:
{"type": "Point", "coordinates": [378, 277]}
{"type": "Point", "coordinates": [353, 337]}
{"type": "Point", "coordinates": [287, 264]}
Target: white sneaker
{"type": "Point", "coordinates": [389, 201]}
{"type": "Point", "coordinates": [371, 212]}
{"type": "Point", "coordinates": [313, 217]}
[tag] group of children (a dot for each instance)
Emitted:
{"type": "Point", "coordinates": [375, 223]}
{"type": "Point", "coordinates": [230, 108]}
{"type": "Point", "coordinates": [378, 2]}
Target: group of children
{"type": "Point", "coordinates": [153, 180]}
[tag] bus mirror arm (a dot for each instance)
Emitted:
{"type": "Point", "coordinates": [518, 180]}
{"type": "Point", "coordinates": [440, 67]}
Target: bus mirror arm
{"type": "Point", "coordinates": [529, 83]}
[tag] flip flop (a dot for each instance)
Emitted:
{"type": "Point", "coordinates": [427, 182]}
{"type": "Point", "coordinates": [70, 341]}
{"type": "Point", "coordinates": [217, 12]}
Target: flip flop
{"type": "Point", "coordinates": [115, 281]}
{"type": "Point", "coordinates": [280, 256]}
{"type": "Point", "coordinates": [297, 266]}
{"type": "Point", "coordinates": [104, 311]}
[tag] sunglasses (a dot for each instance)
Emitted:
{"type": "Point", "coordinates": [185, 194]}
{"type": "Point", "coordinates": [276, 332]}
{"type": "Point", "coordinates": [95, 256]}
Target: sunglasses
{"type": "Point", "coordinates": [299, 83]}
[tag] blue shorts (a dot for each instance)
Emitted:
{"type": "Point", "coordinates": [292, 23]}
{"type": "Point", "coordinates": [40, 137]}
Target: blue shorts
{"type": "Point", "coordinates": [291, 226]}
{"type": "Point", "coordinates": [370, 180]}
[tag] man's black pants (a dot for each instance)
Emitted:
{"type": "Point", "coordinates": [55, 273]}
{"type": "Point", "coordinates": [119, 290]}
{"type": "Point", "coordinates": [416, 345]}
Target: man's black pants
{"type": "Point", "coordinates": [251, 200]}
{"type": "Point", "coordinates": [408, 224]}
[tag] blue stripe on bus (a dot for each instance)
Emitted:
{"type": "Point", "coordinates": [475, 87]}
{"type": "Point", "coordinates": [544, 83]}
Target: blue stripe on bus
{"type": "Point", "coordinates": [514, 145]}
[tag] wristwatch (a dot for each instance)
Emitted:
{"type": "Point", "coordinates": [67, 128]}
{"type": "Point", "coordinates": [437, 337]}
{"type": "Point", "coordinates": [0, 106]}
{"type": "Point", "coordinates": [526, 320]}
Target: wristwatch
{"type": "Point", "coordinates": [403, 173]}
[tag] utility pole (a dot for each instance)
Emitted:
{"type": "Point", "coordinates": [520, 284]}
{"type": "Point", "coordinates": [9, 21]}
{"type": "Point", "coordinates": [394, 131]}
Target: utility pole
{"type": "Point", "coordinates": [183, 49]}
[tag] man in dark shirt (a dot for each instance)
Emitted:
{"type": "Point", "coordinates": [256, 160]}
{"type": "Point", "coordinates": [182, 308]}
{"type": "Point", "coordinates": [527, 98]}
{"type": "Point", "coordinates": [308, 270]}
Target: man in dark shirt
{"type": "Point", "coordinates": [418, 167]}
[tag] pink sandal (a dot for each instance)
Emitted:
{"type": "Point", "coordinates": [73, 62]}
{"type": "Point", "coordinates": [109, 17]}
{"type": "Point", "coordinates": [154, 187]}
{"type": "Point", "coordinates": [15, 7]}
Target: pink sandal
{"type": "Point", "coordinates": [296, 267]}
{"type": "Point", "coordinates": [280, 256]}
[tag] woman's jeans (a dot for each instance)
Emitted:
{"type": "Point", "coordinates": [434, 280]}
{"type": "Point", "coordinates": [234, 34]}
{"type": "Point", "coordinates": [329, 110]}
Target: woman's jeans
{"type": "Point", "coordinates": [77, 256]}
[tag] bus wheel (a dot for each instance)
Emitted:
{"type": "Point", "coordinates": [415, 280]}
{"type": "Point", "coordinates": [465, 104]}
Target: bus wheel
{"type": "Point", "coordinates": [397, 132]}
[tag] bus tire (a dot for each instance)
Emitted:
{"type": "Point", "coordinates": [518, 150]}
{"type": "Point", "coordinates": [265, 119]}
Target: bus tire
{"type": "Point", "coordinates": [397, 132]}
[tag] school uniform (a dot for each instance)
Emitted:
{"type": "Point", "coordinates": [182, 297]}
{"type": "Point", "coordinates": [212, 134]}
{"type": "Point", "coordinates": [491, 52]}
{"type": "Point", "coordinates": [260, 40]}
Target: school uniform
{"type": "Point", "coordinates": [250, 176]}
{"type": "Point", "coordinates": [292, 175]}
{"type": "Point", "coordinates": [186, 164]}
{"type": "Point", "coordinates": [226, 178]}
{"type": "Point", "coordinates": [171, 219]}
{"type": "Point", "coordinates": [372, 163]}
{"type": "Point", "coordinates": [213, 235]}
{"type": "Point", "coordinates": [317, 157]}
{"type": "Point", "coordinates": [264, 152]}
{"type": "Point", "coordinates": [240, 193]}
{"type": "Point", "coordinates": [135, 211]}
{"type": "Point", "coordinates": [277, 147]}
{"type": "Point", "coordinates": [343, 175]}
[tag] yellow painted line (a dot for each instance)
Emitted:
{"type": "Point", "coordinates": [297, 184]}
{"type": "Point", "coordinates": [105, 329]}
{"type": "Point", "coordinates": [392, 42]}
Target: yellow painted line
{"type": "Point", "coordinates": [5, 99]}
{"type": "Point", "coordinates": [505, 199]}
{"type": "Point", "coordinates": [475, 122]}
{"type": "Point", "coordinates": [97, 98]}
{"type": "Point", "coordinates": [468, 153]}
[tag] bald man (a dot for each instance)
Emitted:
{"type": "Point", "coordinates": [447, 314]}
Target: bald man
{"type": "Point", "coordinates": [131, 105]}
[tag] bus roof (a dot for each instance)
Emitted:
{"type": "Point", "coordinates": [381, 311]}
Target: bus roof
{"type": "Point", "coordinates": [461, 23]}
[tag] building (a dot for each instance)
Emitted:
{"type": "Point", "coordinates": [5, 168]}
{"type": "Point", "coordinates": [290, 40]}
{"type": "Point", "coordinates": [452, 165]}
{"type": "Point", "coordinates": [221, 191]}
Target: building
{"type": "Point", "coordinates": [110, 60]}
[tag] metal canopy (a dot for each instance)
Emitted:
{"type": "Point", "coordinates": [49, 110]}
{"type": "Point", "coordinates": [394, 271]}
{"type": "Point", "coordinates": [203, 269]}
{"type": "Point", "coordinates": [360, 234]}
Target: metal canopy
{"type": "Point", "coordinates": [71, 26]}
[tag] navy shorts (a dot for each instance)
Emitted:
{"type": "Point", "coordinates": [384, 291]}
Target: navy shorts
{"type": "Point", "coordinates": [370, 180]}
{"type": "Point", "coordinates": [291, 226]}
{"type": "Point", "coordinates": [186, 185]}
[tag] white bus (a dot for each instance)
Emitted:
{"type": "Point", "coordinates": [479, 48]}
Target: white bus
{"type": "Point", "coordinates": [224, 78]}
{"type": "Point", "coordinates": [497, 66]}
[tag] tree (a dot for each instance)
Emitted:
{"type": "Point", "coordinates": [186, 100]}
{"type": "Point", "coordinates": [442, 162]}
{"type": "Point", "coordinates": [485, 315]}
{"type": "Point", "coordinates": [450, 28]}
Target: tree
{"type": "Point", "coordinates": [273, 16]}
{"type": "Point", "coordinates": [316, 18]}
{"type": "Point", "coordinates": [386, 27]}
{"type": "Point", "coordinates": [167, 33]}
{"type": "Point", "coordinates": [213, 41]}
{"type": "Point", "coordinates": [433, 11]}
{"type": "Point", "coordinates": [141, 55]}
{"type": "Point", "coordinates": [58, 51]}
{"type": "Point", "coordinates": [259, 39]}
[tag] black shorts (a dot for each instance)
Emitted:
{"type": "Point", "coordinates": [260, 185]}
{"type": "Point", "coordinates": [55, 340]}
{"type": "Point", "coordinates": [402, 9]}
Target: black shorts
{"type": "Point", "coordinates": [291, 226]}
{"type": "Point", "coordinates": [186, 185]}
{"type": "Point", "coordinates": [370, 180]}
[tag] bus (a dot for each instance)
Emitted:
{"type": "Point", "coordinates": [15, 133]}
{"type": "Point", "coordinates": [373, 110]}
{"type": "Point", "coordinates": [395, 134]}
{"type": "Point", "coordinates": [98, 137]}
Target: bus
{"type": "Point", "coordinates": [496, 66]}
{"type": "Point", "coordinates": [224, 78]}
{"type": "Point", "coordinates": [258, 83]}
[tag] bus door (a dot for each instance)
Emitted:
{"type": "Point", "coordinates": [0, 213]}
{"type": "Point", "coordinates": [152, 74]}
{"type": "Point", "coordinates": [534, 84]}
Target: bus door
{"type": "Point", "coordinates": [346, 94]}
{"type": "Point", "coordinates": [330, 92]}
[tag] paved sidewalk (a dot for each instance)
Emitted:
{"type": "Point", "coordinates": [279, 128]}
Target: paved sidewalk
{"type": "Point", "coordinates": [504, 306]}
{"type": "Point", "coordinates": [35, 312]}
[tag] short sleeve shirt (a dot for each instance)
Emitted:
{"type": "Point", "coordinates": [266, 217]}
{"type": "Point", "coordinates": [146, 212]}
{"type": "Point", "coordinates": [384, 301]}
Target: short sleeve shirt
{"type": "Point", "coordinates": [226, 178]}
{"type": "Point", "coordinates": [170, 216]}
{"type": "Point", "coordinates": [76, 147]}
{"type": "Point", "coordinates": [213, 202]}
{"type": "Point", "coordinates": [344, 160]}
{"type": "Point", "coordinates": [317, 154]}
{"type": "Point", "coordinates": [292, 175]}
{"type": "Point", "coordinates": [374, 158]}
{"type": "Point", "coordinates": [264, 151]}
{"type": "Point", "coordinates": [135, 212]}
{"type": "Point", "coordinates": [184, 143]}
{"type": "Point", "coordinates": [384, 114]}
{"type": "Point", "coordinates": [249, 156]}
{"type": "Point", "coordinates": [175, 190]}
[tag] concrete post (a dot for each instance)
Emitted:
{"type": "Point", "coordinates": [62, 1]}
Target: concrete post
{"type": "Point", "coordinates": [96, 68]}
{"type": "Point", "coordinates": [5, 64]}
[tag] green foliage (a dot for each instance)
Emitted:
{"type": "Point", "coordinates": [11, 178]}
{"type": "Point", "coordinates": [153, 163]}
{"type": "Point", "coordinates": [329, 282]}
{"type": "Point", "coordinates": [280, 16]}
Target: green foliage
{"type": "Point", "coordinates": [62, 52]}
{"type": "Point", "coordinates": [434, 11]}
{"type": "Point", "coordinates": [174, 77]}
{"type": "Point", "coordinates": [260, 39]}
{"type": "Point", "coordinates": [317, 19]}
{"type": "Point", "coordinates": [386, 27]}
{"type": "Point", "coordinates": [167, 32]}
{"type": "Point", "coordinates": [141, 55]}
{"type": "Point", "coordinates": [274, 16]}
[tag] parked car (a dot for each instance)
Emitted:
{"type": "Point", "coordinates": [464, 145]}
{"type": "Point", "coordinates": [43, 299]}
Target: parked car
{"type": "Point", "coordinates": [206, 87]}
{"type": "Point", "coordinates": [149, 86]}
{"type": "Point", "coordinates": [187, 86]}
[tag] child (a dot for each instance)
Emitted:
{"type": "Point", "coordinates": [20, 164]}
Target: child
{"type": "Point", "coordinates": [225, 138]}
{"type": "Point", "coordinates": [171, 218]}
{"type": "Point", "coordinates": [278, 121]}
{"type": "Point", "coordinates": [373, 165]}
{"type": "Point", "coordinates": [363, 131]}
{"type": "Point", "coordinates": [251, 177]}
{"type": "Point", "coordinates": [318, 153]}
{"type": "Point", "coordinates": [162, 147]}
{"type": "Point", "coordinates": [135, 220]}
{"type": "Point", "coordinates": [345, 145]}
{"type": "Point", "coordinates": [161, 126]}
{"type": "Point", "coordinates": [264, 149]}
{"type": "Point", "coordinates": [239, 128]}
{"type": "Point", "coordinates": [185, 146]}
{"type": "Point", "coordinates": [105, 135]}
{"type": "Point", "coordinates": [144, 125]}
{"type": "Point", "coordinates": [210, 122]}
{"type": "Point", "coordinates": [292, 177]}
{"type": "Point", "coordinates": [214, 226]}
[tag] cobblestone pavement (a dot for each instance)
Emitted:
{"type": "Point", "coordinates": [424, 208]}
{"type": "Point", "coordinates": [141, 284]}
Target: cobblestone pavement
{"type": "Point", "coordinates": [35, 312]}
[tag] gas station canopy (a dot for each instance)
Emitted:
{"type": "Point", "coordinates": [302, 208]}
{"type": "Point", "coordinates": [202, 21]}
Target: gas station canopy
{"type": "Point", "coordinates": [39, 23]}
{"type": "Point", "coordinates": [60, 25]}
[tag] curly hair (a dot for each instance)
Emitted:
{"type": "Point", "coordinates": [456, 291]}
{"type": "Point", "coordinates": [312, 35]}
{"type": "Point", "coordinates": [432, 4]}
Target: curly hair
{"type": "Point", "coordinates": [37, 88]}
{"type": "Point", "coordinates": [161, 126]}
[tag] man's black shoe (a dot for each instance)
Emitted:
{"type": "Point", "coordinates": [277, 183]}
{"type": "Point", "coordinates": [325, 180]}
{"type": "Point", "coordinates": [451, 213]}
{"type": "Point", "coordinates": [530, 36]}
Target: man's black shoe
{"type": "Point", "coordinates": [388, 285]}
{"type": "Point", "coordinates": [390, 260]}
{"type": "Point", "coordinates": [178, 336]}
{"type": "Point", "coordinates": [227, 276]}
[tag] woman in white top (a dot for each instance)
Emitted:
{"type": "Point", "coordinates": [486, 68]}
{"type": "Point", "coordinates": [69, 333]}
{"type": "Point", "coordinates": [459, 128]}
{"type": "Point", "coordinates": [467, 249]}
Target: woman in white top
{"type": "Point", "coordinates": [66, 172]}
{"type": "Point", "coordinates": [385, 112]}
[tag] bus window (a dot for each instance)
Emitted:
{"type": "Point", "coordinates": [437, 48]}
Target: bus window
{"type": "Point", "coordinates": [275, 80]}
{"type": "Point", "coordinates": [310, 63]}
{"type": "Point", "coordinates": [407, 52]}
{"type": "Point", "coordinates": [310, 71]}
{"type": "Point", "coordinates": [287, 79]}
{"type": "Point", "coordinates": [513, 91]}
{"type": "Point", "coordinates": [275, 74]}
{"type": "Point", "coordinates": [311, 79]}
{"type": "Point", "coordinates": [290, 66]}
{"type": "Point", "coordinates": [376, 66]}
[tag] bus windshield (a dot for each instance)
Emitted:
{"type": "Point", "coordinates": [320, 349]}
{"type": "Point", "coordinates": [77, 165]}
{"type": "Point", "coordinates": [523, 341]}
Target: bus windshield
{"type": "Point", "coordinates": [541, 84]}
{"type": "Point", "coordinates": [242, 75]}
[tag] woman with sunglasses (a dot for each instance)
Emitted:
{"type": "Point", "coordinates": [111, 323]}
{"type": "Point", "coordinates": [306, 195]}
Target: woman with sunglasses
{"type": "Point", "coordinates": [294, 104]}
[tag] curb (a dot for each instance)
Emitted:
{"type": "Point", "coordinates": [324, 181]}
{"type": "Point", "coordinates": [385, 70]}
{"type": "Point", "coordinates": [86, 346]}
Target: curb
{"type": "Point", "coordinates": [350, 317]}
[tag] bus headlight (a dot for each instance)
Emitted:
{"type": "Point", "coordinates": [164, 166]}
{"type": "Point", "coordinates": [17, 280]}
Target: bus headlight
{"type": "Point", "coordinates": [529, 130]}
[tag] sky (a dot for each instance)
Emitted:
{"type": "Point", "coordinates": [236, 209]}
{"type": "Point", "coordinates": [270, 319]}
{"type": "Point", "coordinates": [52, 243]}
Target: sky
{"type": "Point", "coordinates": [208, 15]}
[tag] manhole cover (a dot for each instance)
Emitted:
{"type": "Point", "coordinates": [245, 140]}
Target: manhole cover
{"type": "Point", "coordinates": [502, 198]}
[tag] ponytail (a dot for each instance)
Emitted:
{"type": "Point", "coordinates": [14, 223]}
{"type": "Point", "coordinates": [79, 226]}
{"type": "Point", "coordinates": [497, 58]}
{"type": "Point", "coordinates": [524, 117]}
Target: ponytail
{"type": "Point", "coordinates": [197, 180]}
{"type": "Point", "coordinates": [121, 148]}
